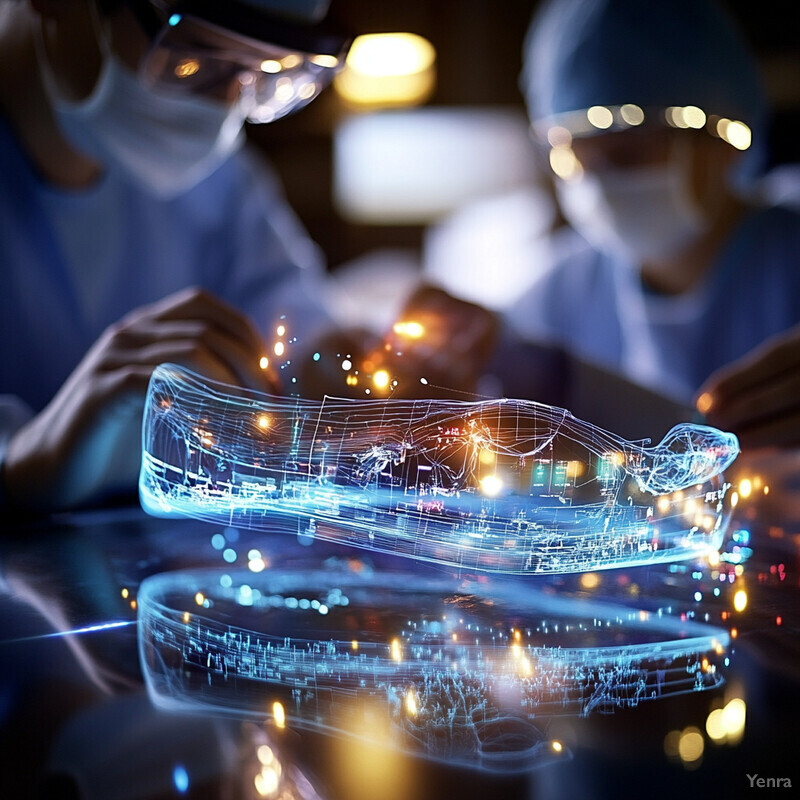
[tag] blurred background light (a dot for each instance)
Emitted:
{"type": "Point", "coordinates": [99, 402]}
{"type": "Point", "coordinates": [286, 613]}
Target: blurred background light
{"type": "Point", "coordinates": [413, 167]}
{"type": "Point", "coordinates": [388, 70]}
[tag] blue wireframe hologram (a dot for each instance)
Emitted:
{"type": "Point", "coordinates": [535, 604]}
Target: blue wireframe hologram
{"type": "Point", "coordinates": [509, 486]}
{"type": "Point", "coordinates": [470, 673]}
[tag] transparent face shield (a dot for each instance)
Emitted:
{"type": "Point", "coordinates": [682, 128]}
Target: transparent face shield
{"type": "Point", "coordinates": [265, 79]}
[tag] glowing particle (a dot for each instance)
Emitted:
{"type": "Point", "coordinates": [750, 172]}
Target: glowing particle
{"type": "Point", "coordinates": [354, 644]}
{"type": "Point", "coordinates": [694, 117]}
{"type": "Point", "coordinates": [279, 714]}
{"type": "Point", "coordinates": [740, 600]}
{"type": "Point", "coordinates": [411, 703]}
{"type": "Point", "coordinates": [734, 716]}
{"type": "Point", "coordinates": [671, 741]}
{"type": "Point", "coordinates": [265, 755]}
{"type": "Point", "coordinates": [347, 364]}
{"type": "Point", "coordinates": [381, 379]}
{"type": "Point", "coordinates": [632, 114]}
{"type": "Point", "coordinates": [556, 745]}
{"type": "Point", "coordinates": [229, 555]}
{"type": "Point", "coordinates": [263, 422]}
{"type": "Point", "coordinates": [745, 488]}
{"type": "Point", "coordinates": [280, 330]}
{"type": "Point", "coordinates": [396, 651]}
{"type": "Point", "coordinates": [199, 598]}
{"type": "Point", "coordinates": [691, 745]}
{"type": "Point", "coordinates": [270, 66]}
{"type": "Point", "coordinates": [186, 616]}
{"type": "Point", "coordinates": [600, 116]}
{"type": "Point", "coordinates": [590, 580]}
{"type": "Point", "coordinates": [698, 597]}
{"type": "Point", "coordinates": [174, 19]}
{"type": "Point", "coordinates": [491, 485]}
{"type": "Point", "coordinates": [704, 402]}
{"type": "Point", "coordinates": [186, 67]}
{"type": "Point", "coordinates": [263, 362]}
{"type": "Point", "coordinates": [423, 381]}
{"type": "Point", "coordinates": [715, 726]}
{"type": "Point", "coordinates": [279, 348]}
{"type": "Point", "coordinates": [180, 779]}
{"type": "Point", "coordinates": [316, 356]}
{"type": "Point", "coordinates": [413, 330]}
{"type": "Point", "coordinates": [218, 541]}
{"type": "Point", "coordinates": [124, 594]}
{"type": "Point", "coordinates": [267, 782]}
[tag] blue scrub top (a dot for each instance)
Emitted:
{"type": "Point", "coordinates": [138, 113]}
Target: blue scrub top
{"type": "Point", "coordinates": [595, 306]}
{"type": "Point", "coordinates": [75, 261]}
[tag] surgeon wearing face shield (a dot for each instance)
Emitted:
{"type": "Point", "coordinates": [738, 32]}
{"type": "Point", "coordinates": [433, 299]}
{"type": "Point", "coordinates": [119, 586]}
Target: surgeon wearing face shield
{"type": "Point", "coordinates": [135, 226]}
{"type": "Point", "coordinates": [653, 120]}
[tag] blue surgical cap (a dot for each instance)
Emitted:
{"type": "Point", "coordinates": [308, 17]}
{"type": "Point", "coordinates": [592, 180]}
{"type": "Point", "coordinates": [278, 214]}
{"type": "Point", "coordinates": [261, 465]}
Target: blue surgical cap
{"type": "Point", "coordinates": [652, 53]}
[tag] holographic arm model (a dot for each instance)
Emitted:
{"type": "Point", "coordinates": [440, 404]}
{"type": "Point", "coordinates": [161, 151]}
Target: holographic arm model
{"type": "Point", "coordinates": [503, 485]}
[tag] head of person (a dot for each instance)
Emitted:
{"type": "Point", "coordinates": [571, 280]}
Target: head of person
{"type": "Point", "coordinates": [161, 88]}
{"type": "Point", "coordinates": [652, 114]}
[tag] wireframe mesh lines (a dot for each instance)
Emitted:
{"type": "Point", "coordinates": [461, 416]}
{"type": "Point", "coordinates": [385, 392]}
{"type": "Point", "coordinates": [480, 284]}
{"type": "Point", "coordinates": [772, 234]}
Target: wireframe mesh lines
{"type": "Point", "coordinates": [504, 485]}
{"type": "Point", "coordinates": [468, 673]}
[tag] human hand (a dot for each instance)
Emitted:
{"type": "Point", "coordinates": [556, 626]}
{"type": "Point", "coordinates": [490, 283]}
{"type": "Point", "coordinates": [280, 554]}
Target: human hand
{"type": "Point", "coordinates": [758, 396]}
{"type": "Point", "coordinates": [87, 441]}
{"type": "Point", "coordinates": [438, 338]}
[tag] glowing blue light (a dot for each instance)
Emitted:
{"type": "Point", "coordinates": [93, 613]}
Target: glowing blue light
{"type": "Point", "coordinates": [716, 591]}
{"type": "Point", "coordinates": [403, 477]}
{"type": "Point", "coordinates": [698, 597]}
{"type": "Point", "coordinates": [357, 668]}
{"type": "Point", "coordinates": [218, 541]}
{"type": "Point", "coordinates": [226, 581]}
{"type": "Point", "coordinates": [316, 356]}
{"type": "Point", "coordinates": [180, 777]}
{"type": "Point", "coordinates": [174, 20]}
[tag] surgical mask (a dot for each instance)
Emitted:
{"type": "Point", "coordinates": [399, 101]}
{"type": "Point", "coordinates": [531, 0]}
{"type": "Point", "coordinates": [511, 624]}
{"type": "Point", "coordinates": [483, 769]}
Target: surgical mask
{"type": "Point", "coordinates": [645, 214]}
{"type": "Point", "coordinates": [167, 143]}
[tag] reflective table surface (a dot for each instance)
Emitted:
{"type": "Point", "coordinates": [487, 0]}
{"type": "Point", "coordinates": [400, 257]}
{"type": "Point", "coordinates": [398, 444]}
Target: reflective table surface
{"type": "Point", "coordinates": [681, 719]}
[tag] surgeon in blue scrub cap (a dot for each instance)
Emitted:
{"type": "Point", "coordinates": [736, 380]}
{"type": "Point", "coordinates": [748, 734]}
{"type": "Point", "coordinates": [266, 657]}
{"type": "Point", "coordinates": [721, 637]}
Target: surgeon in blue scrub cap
{"type": "Point", "coordinates": [653, 120]}
{"type": "Point", "coordinates": [135, 226]}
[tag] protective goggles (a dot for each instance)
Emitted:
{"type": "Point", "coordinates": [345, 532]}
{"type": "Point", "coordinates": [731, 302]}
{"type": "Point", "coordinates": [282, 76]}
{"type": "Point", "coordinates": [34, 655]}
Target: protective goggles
{"type": "Point", "coordinates": [269, 67]}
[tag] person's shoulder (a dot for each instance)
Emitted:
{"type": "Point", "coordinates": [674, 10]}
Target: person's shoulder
{"type": "Point", "coordinates": [783, 219]}
{"type": "Point", "coordinates": [248, 169]}
{"type": "Point", "coordinates": [574, 263]}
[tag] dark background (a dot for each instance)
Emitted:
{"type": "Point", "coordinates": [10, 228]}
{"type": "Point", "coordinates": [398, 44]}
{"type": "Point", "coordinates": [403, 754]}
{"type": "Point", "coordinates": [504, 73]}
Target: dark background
{"type": "Point", "coordinates": [478, 45]}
